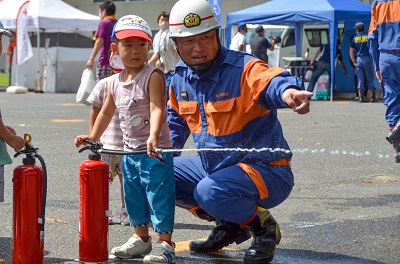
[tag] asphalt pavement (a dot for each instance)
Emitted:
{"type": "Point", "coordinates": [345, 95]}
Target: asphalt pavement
{"type": "Point", "coordinates": [344, 208]}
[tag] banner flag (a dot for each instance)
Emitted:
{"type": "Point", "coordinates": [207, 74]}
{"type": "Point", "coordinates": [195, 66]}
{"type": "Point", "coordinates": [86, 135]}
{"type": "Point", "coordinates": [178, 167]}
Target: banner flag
{"type": "Point", "coordinates": [216, 5]}
{"type": "Point", "coordinates": [24, 47]}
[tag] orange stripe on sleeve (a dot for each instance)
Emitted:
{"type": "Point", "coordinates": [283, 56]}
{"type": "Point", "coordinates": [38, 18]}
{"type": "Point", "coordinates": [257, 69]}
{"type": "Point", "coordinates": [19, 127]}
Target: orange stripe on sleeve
{"type": "Point", "coordinates": [372, 24]}
{"type": "Point", "coordinates": [386, 12]}
{"type": "Point", "coordinates": [257, 179]}
{"type": "Point", "coordinates": [256, 76]}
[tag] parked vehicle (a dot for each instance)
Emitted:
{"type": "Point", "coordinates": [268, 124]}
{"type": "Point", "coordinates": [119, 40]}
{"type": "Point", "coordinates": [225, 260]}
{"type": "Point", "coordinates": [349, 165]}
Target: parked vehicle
{"type": "Point", "coordinates": [314, 36]}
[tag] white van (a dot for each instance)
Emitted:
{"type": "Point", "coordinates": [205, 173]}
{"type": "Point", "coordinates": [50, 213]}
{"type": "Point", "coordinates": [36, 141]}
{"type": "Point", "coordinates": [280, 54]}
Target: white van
{"type": "Point", "coordinates": [314, 36]}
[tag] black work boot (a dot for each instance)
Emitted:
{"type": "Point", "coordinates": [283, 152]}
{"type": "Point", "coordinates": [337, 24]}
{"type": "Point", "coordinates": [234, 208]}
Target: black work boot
{"type": "Point", "coordinates": [221, 236]}
{"type": "Point", "coordinates": [394, 139]}
{"type": "Point", "coordinates": [266, 235]}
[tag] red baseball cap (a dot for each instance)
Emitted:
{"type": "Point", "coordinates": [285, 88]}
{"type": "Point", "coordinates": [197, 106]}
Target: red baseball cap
{"type": "Point", "coordinates": [131, 26]}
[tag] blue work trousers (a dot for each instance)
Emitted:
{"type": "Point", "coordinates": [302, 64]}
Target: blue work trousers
{"type": "Point", "coordinates": [228, 194]}
{"type": "Point", "coordinates": [365, 73]}
{"type": "Point", "coordinates": [321, 67]}
{"type": "Point", "coordinates": [389, 64]}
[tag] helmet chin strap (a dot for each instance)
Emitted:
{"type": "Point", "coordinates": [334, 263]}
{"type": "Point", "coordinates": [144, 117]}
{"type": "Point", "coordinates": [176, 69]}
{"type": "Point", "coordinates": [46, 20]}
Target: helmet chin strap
{"type": "Point", "coordinates": [202, 68]}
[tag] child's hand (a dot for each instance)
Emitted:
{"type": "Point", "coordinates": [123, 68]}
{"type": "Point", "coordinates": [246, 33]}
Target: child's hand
{"type": "Point", "coordinates": [16, 142]}
{"type": "Point", "coordinates": [11, 130]}
{"type": "Point", "coordinates": [79, 140]}
{"type": "Point", "coordinates": [152, 144]}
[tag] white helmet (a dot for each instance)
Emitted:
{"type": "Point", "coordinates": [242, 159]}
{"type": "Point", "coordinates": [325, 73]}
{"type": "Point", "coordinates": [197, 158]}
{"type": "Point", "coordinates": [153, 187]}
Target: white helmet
{"type": "Point", "coordinates": [191, 18]}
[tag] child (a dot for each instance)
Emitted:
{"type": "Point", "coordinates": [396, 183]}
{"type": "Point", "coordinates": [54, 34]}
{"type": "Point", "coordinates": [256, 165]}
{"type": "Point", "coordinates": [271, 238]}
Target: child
{"type": "Point", "coordinates": [138, 93]}
{"type": "Point", "coordinates": [112, 138]}
{"type": "Point", "coordinates": [7, 134]}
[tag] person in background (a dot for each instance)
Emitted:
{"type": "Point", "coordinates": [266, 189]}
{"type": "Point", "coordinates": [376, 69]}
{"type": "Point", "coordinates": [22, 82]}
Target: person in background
{"type": "Point", "coordinates": [384, 47]}
{"type": "Point", "coordinates": [362, 61]}
{"type": "Point", "coordinates": [259, 44]}
{"type": "Point", "coordinates": [164, 49]}
{"type": "Point", "coordinates": [112, 139]}
{"type": "Point", "coordinates": [354, 72]}
{"type": "Point", "coordinates": [324, 63]}
{"type": "Point", "coordinates": [138, 94]}
{"type": "Point", "coordinates": [356, 98]}
{"type": "Point", "coordinates": [102, 39]}
{"type": "Point", "coordinates": [229, 99]}
{"type": "Point", "coordinates": [238, 42]}
{"type": "Point", "coordinates": [8, 135]}
{"type": "Point", "coordinates": [10, 52]}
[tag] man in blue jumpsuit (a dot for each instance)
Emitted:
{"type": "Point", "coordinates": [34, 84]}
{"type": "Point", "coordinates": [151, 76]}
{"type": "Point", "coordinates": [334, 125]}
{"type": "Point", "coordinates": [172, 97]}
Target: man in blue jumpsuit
{"type": "Point", "coordinates": [384, 36]}
{"type": "Point", "coordinates": [228, 101]}
{"type": "Point", "coordinates": [362, 61]}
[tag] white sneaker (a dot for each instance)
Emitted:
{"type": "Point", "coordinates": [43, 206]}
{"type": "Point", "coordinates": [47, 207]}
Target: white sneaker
{"type": "Point", "coordinates": [161, 253]}
{"type": "Point", "coordinates": [124, 218]}
{"type": "Point", "coordinates": [134, 248]}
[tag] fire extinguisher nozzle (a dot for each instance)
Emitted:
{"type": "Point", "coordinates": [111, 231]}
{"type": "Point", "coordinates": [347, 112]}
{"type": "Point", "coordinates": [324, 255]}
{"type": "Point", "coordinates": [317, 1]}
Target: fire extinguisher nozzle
{"type": "Point", "coordinates": [160, 159]}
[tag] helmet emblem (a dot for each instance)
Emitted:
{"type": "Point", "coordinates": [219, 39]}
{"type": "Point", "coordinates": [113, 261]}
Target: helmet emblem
{"type": "Point", "coordinates": [192, 20]}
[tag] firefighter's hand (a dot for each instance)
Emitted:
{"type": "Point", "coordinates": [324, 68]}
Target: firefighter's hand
{"type": "Point", "coordinates": [297, 100]}
{"type": "Point", "coordinates": [378, 75]}
{"type": "Point", "coordinates": [79, 140]}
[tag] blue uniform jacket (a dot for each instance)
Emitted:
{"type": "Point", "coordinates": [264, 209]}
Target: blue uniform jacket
{"type": "Point", "coordinates": [233, 105]}
{"type": "Point", "coordinates": [384, 29]}
{"type": "Point", "coordinates": [360, 44]}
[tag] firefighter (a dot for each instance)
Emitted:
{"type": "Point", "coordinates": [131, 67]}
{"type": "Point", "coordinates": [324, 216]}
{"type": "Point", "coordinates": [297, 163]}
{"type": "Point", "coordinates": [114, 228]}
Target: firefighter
{"type": "Point", "coordinates": [229, 99]}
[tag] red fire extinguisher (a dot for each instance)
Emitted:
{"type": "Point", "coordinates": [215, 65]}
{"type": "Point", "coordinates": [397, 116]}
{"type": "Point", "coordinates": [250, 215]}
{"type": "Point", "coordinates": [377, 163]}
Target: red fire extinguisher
{"type": "Point", "coordinates": [29, 202]}
{"type": "Point", "coordinates": [93, 206]}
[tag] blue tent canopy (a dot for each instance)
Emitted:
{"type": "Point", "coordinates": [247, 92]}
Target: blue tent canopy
{"type": "Point", "coordinates": [297, 13]}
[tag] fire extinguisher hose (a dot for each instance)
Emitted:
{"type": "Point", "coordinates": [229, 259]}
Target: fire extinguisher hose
{"type": "Point", "coordinates": [44, 193]}
{"type": "Point", "coordinates": [98, 148]}
{"type": "Point", "coordinates": [31, 152]}
{"type": "Point", "coordinates": [143, 151]}
{"type": "Point", "coordinates": [120, 152]}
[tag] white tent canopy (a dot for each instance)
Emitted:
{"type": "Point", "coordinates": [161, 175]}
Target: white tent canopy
{"type": "Point", "coordinates": [58, 16]}
{"type": "Point", "coordinates": [49, 15]}
{"type": "Point", "coordinates": [8, 12]}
